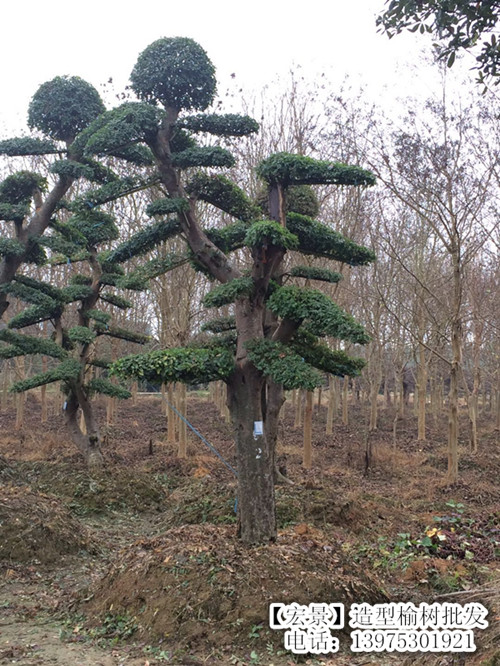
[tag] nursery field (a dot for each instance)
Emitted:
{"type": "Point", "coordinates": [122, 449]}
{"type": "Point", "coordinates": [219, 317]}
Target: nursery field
{"type": "Point", "coordinates": [140, 565]}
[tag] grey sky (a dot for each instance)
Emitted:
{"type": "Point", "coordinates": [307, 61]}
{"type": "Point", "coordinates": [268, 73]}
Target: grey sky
{"type": "Point", "coordinates": [256, 41]}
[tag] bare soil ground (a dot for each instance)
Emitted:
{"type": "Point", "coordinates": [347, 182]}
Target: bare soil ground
{"type": "Point", "coordinates": [139, 564]}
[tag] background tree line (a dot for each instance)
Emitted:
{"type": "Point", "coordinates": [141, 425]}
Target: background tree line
{"type": "Point", "coordinates": [429, 302]}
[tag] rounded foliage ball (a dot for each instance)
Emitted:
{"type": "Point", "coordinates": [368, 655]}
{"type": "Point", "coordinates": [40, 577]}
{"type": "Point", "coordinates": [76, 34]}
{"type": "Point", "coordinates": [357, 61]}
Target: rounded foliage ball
{"type": "Point", "coordinates": [302, 199]}
{"type": "Point", "coordinates": [176, 72]}
{"type": "Point", "coordinates": [63, 107]}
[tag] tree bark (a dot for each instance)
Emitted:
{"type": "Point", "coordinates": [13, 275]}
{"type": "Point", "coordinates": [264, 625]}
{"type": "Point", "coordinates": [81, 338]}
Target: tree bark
{"type": "Point", "coordinates": [182, 423]}
{"type": "Point", "coordinates": [255, 456]}
{"type": "Point", "coordinates": [21, 397]}
{"type": "Point", "coordinates": [421, 393]}
{"type": "Point", "coordinates": [298, 410]}
{"type": "Point", "coordinates": [272, 402]}
{"type": "Point", "coordinates": [332, 405]}
{"type": "Point", "coordinates": [456, 350]}
{"type": "Point", "coordinates": [43, 393]}
{"type": "Point", "coordinates": [307, 460]}
{"type": "Point", "coordinates": [89, 444]}
{"type": "Point", "coordinates": [345, 406]}
{"type": "Point", "coordinates": [5, 385]}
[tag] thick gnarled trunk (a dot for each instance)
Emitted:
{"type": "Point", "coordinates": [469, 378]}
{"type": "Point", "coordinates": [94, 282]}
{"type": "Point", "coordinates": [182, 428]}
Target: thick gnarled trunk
{"type": "Point", "coordinates": [88, 444]}
{"type": "Point", "coordinates": [255, 456]}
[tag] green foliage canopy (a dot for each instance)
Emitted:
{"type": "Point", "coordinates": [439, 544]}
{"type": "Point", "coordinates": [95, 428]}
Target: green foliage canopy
{"type": "Point", "coordinates": [66, 371]}
{"type": "Point", "coordinates": [16, 213]}
{"type": "Point", "coordinates": [105, 387]}
{"type": "Point", "coordinates": [71, 169]}
{"type": "Point", "coordinates": [81, 334]}
{"type": "Point", "coordinates": [144, 240]}
{"type": "Point", "coordinates": [10, 246]}
{"type": "Point", "coordinates": [283, 365]}
{"type": "Point", "coordinates": [302, 199]}
{"type": "Point", "coordinates": [321, 316]}
{"type": "Point", "coordinates": [268, 232]}
{"type": "Point", "coordinates": [95, 226]}
{"type": "Point", "coordinates": [112, 131]}
{"type": "Point", "coordinates": [19, 187]}
{"type": "Point", "coordinates": [229, 124]}
{"type": "Point", "coordinates": [288, 169]}
{"type": "Point", "coordinates": [320, 356]}
{"type": "Point", "coordinates": [224, 194]}
{"type": "Point", "coordinates": [189, 365]}
{"type": "Point", "coordinates": [228, 238]}
{"type": "Point", "coordinates": [457, 24]}
{"type": "Point", "coordinates": [27, 344]}
{"type": "Point", "coordinates": [27, 145]}
{"type": "Point", "coordinates": [315, 273]}
{"type": "Point", "coordinates": [63, 107]}
{"type": "Point", "coordinates": [219, 325]}
{"type": "Point", "coordinates": [317, 239]}
{"type": "Point", "coordinates": [229, 292]}
{"type": "Point", "coordinates": [166, 206]}
{"type": "Point", "coordinates": [176, 72]}
{"type": "Point", "coordinates": [203, 156]}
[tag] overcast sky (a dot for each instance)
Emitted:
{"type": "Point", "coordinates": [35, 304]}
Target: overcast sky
{"type": "Point", "coordinates": [257, 41]}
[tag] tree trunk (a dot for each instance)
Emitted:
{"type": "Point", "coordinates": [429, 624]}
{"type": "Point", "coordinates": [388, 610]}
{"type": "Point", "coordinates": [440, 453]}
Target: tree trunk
{"type": "Point", "coordinates": [374, 386]}
{"type": "Point", "coordinates": [497, 410]}
{"type": "Point", "coordinates": [307, 460]}
{"type": "Point", "coordinates": [272, 403]}
{"type": "Point", "coordinates": [182, 423]}
{"type": "Point", "coordinates": [332, 403]}
{"type": "Point", "coordinates": [422, 393]}
{"type": "Point", "coordinates": [473, 411]}
{"type": "Point", "coordinates": [298, 410]}
{"type": "Point", "coordinates": [456, 350]}
{"type": "Point", "coordinates": [20, 402]}
{"type": "Point", "coordinates": [434, 391]}
{"type": "Point", "coordinates": [5, 385]}
{"type": "Point", "coordinates": [476, 386]}
{"type": "Point", "coordinates": [255, 455]}
{"type": "Point", "coordinates": [345, 406]}
{"type": "Point", "coordinates": [387, 392]}
{"type": "Point", "coordinates": [452, 474]}
{"type": "Point", "coordinates": [89, 444]}
{"type": "Point", "coordinates": [401, 394]}
{"type": "Point", "coordinates": [43, 394]}
{"type": "Point", "coordinates": [225, 409]}
{"type": "Point", "coordinates": [134, 390]}
{"type": "Point", "coordinates": [164, 397]}
{"type": "Point", "coordinates": [375, 379]}
{"type": "Point", "coordinates": [21, 397]}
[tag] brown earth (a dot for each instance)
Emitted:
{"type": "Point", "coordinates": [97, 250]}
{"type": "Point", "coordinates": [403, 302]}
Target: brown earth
{"type": "Point", "coordinates": [139, 564]}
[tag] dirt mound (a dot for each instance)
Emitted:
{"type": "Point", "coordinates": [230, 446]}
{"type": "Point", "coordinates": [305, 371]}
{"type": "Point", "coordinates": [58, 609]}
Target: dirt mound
{"type": "Point", "coordinates": [198, 585]}
{"type": "Point", "coordinates": [112, 489]}
{"type": "Point", "coordinates": [200, 501]}
{"type": "Point", "coordinates": [6, 471]}
{"type": "Point", "coordinates": [37, 527]}
{"type": "Point", "coordinates": [206, 500]}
